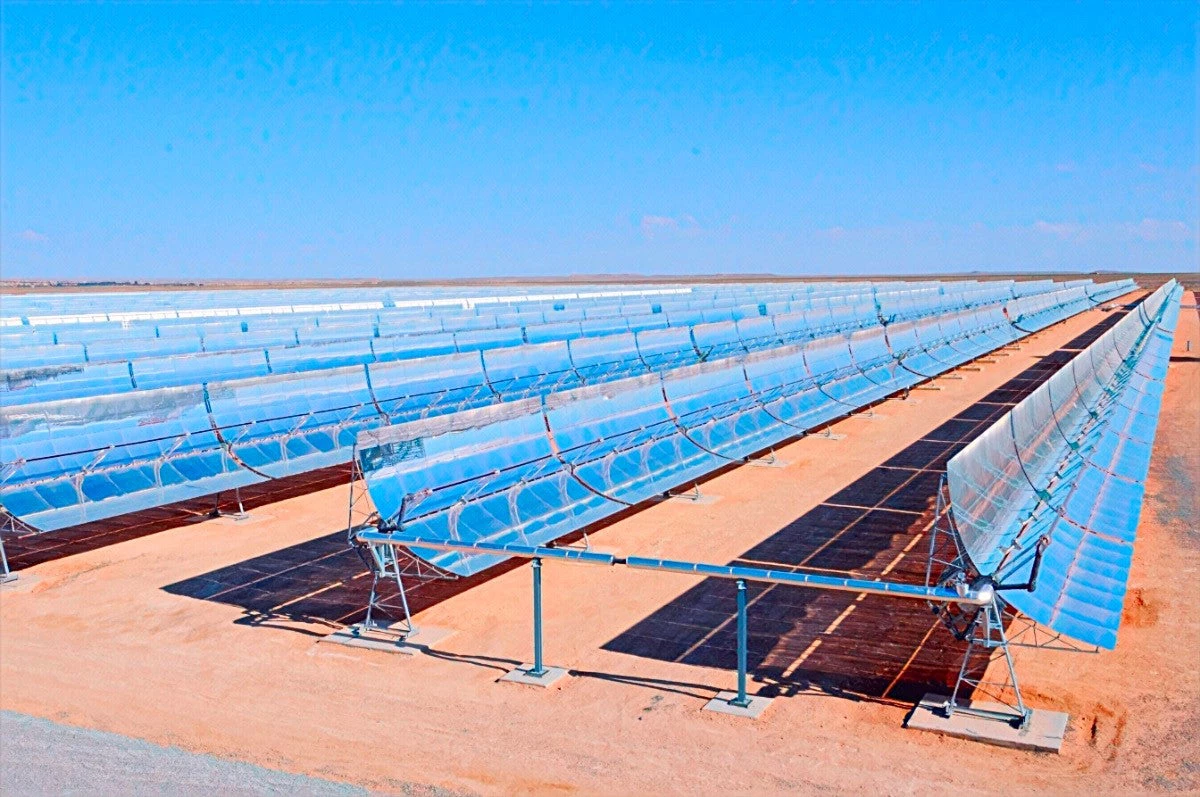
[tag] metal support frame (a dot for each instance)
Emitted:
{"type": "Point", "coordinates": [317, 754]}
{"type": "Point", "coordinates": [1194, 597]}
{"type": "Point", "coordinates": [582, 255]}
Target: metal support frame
{"type": "Point", "coordinates": [768, 461]}
{"type": "Point", "coordinates": [986, 630]}
{"type": "Point", "coordinates": [1025, 633]}
{"type": "Point", "coordinates": [6, 575]}
{"type": "Point", "coordinates": [694, 495]}
{"type": "Point", "coordinates": [981, 627]}
{"type": "Point", "coordinates": [386, 563]}
{"type": "Point", "coordinates": [8, 525]}
{"type": "Point", "coordinates": [739, 702]}
{"type": "Point", "coordinates": [386, 566]}
{"type": "Point", "coordinates": [241, 514]}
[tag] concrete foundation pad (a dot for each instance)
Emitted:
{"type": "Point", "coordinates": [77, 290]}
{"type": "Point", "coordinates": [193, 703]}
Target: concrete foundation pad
{"type": "Point", "coordinates": [721, 705]}
{"type": "Point", "coordinates": [522, 676]}
{"type": "Point", "coordinates": [19, 582]}
{"type": "Point", "coordinates": [767, 463]}
{"type": "Point", "coordinates": [389, 637]}
{"type": "Point", "coordinates": [1043, 732]}
{"type": "Point", "coordinates": [223, 517]}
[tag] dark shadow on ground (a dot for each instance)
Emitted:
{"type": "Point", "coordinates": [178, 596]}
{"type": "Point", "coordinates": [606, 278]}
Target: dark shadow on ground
{"type": "Point", "coordinates": [876, 527]}
{"type": "Point", "coordinates": [27, 550]}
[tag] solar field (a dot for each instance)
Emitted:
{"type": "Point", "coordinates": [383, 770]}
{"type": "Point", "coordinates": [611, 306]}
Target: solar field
{"type": "Point", "coordinates": [312, 528]}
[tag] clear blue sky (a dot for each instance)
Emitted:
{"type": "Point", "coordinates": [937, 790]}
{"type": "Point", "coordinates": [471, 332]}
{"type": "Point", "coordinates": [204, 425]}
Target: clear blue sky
{"type": "Point", "coordinates": [155, 141]}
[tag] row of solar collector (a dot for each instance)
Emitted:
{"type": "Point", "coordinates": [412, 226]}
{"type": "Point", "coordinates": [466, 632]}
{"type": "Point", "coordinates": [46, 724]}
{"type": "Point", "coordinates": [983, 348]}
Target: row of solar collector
{"type": "Point", "coordinates": [149, 371]}
{"type": "Point", "coordinates": [83, 345]}
{"type": "Point", "coordinates": [125, 307]}
{"type": "Point", "coordinates": [107, 341]}
{"type": "Point", "coordinates": [768, 300]}
{"type": "Point", "coordinates": [557, 305]}
{"type": "Point", "coordinates": [531, 472]}
{"type": "Point", "coordinates": [1068, 466]}
{"type": "Point", "coordinates": [71, 461]}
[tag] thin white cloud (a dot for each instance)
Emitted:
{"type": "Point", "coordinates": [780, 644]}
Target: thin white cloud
{"type": "Point", "coordinates": [653, 224]}
{"type": "Point", "coordinates": [1148, 230]}
{"type": "Point", "coordinates": [32, 236]}
{"type": "Point", "coordinates": [1159, 231]}
{"type": "Point", "coordinates": [684, 224]}
{"type": "Point", "coordinates": [1063, 230]}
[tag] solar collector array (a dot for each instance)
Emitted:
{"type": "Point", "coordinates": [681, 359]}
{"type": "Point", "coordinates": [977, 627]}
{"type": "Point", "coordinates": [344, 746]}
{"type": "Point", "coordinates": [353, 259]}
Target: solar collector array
{"type": "Point", "coordinates": [70, 461]}
{"type": "Point", "coordinates": [1067, 467]}
{"type": "Point", "coordinates": [168, 361]}
{"type": "Point", "coordinates": [531, 472]}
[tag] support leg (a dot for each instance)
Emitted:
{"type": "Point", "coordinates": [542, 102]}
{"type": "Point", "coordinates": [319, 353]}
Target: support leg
{"type": "Point", "coordinates": [538, 669]}
{"type": "Point", "coordinates": [239, 515]}
{"type": "Point", "coordinates": [6, 575]}
{"type": "Point", "coordinates": [536, 674]}
{"type": "Point", "coordinates": [739, 703]}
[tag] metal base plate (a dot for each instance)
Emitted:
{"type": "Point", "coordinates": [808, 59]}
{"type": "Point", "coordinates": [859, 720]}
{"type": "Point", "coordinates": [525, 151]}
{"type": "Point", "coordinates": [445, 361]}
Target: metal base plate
{"type": "Point", "coordinates": [522, 676]}
{"type": "Point", "coordinates": [389, 637]}
{"type": "Point", "coordinates": [768, 463]}
{"type": "Point", "coordinates": [690, 498]}
{"type": "Point", "coordinates": [1044, 731]}
{"type": "Point", "coordinates": [721, 704]}
{"type": "Point", "coordinates": [22, 581]}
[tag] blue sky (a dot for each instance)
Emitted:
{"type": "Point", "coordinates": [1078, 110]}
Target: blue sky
{"type": "Point", "coordinates": [157, 141]}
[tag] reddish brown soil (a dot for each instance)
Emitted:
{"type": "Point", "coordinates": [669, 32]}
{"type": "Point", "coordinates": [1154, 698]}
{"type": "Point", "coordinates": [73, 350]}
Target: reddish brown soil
{"type": "Point", "coordinates": [104, 639]}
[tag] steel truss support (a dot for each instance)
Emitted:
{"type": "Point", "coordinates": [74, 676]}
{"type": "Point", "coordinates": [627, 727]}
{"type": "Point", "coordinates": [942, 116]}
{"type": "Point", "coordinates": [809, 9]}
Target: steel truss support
{"type": "Point", "coordinates": [1025, 633]}
{"type": "Point", "coordinates": [981, 627]}
{"type": "Point", "coordinates": [387, 563]}
{"type": "Point", "coordinates": [986, 631]}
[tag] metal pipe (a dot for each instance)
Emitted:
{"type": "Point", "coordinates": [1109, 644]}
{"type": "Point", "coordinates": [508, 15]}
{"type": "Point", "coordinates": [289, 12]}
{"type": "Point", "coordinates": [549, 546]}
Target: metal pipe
{"type": "Point", "coordinates": [980, 596]}
{"type": "Point", "coordinates": [975, 596]}
{"type": "Point", "coordinates": [741, 701]}
{"type": "Point", "coordinates": [505, 549]}
{"type": "Point", "coordinates": [538, 670]}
